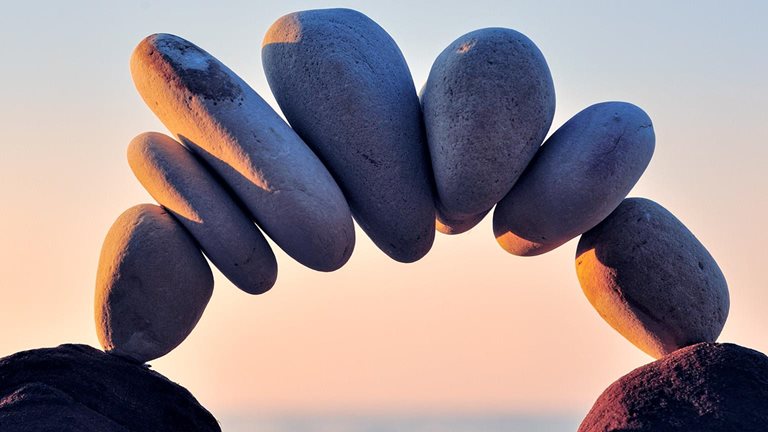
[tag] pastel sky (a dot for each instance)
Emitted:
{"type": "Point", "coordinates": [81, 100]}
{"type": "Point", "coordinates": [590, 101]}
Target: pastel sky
{"type": "Point", "coordinates": [469, 328]}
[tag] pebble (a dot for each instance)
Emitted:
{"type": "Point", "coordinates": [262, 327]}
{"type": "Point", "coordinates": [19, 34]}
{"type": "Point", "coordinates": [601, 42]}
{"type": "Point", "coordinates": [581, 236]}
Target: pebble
{"type": "Point", "coordinates": [152, 285]}
{"type": "Point", "coordinates": [344, 86]}
{"type": "Point", "coordinates": [578, 177]}
{"type": "Point", "coordinates": [651, 279]}
{"type": "Point", "coordinates": [488, 104]}
{"type": "Point", "coordinates": [180, 183]}
{"type": "Point", "coordinates": [282, 183]}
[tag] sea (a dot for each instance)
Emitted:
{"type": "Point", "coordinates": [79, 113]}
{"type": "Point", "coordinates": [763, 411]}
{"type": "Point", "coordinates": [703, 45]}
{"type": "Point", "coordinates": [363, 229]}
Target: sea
{"type": "Point", "coordinates": [495, 423]}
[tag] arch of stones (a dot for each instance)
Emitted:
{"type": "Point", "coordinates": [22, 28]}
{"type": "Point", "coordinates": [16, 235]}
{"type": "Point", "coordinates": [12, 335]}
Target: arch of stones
{"type": "Point", "coordinates": [363, 144]}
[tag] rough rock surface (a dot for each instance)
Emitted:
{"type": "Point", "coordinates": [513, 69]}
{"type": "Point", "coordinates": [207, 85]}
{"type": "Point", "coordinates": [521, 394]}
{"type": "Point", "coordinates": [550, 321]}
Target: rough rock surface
{"type": "Point", "coordinates": [702, 388]}
{"type": "Point", "coordinates": [488, 104]}
{"type": "Point", "coordinates": [75, 388]}
{"type": "Point", "coordinates": [649, 277]}
{"type": "Point", "coordinates": [577, 178]}
{"type": "Point", "coordinates": [181, 184]}
{"type": "Point", "coordinates": [344, 86]}
{"type": "Point", "coordinates": [152, 285]}
{"type": "Point", "coordinates": [285, 187]}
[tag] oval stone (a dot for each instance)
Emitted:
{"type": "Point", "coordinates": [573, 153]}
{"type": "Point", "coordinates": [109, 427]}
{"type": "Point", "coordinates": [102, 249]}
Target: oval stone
{"type": "Point", "coordinates": [344, 86]}
{"type": "Point", "coordinates": [152, 286]}
{"type": "Point", "coordinates": [703, 388]}
{"type": "Point", "coordinates": [181, 184]}
{"type": "Point", "coordinates": [651, 279]}
{"type": "Point", "coordinates": [281, 182]}
{"type": "Point", "coordinates": [488, 104]}
{"type": "Point", "coordinates": [577, 178]}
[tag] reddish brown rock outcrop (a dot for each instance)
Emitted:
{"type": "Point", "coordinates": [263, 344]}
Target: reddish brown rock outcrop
{"type": "Point", "coordinates": [706, 387]}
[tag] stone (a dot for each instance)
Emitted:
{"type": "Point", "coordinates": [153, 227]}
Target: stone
{"type": "Point", "coordinates": [577, 178]}
{"type": "Point", "coordinates": [212, 111]}
{"type": "Point", "coordinates": [651, 279]}
{"type": "Point", "coordinates": [152, 286]}
{"type": "Point", "coordinates": [445, 225]}
{"type": "Point", "coordinates": [182, 185]}
{"type": "Point", "coordinates": [488, 104]}
{"type": "Point", "coordinates": [344, 86]}
{"type": "Point", "coordinates": [704, 388]}
{"type": "Point", "coordinates": [78, 388]}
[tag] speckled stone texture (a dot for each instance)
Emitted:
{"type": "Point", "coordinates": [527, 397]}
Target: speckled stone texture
{"type": "Point", "coordinates": [702, 388]}
{"type": "Point", "coordinates": [344, 86]}
{"type": "Point", "coordinates": [76, 388]}
{"type": "Point", "coordinates": [488, 104]}
{"type": "Point", "coordinates": [152, 285]}
{"type": "Point", "coordinates": [651, 279]}
{"type": "Point", "coordinates": [182, 185]}
{"type": "Point", "coordinates": [578, 177]}
{"type": "Point", "coordinates": [285, 187]}
{"type": "Point", "coordinates": [456, 226]}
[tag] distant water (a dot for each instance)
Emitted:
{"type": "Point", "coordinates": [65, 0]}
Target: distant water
{"type": "Point", "coordinates": [500, 423]}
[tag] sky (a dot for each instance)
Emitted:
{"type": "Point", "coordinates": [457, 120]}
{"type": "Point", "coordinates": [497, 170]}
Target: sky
{"type": "Point", "coordinates": [469, 328]}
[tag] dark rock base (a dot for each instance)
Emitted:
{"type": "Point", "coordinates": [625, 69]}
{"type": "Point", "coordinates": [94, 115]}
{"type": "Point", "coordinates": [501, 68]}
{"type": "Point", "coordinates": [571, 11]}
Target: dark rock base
{"type": "Point", "coordinates": [79, 388]}
{"type": "Point", "coordinates": [706, 387]}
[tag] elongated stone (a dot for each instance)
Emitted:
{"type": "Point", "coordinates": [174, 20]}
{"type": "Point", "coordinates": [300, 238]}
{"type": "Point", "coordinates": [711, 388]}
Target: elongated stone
{"type": "Point", "coordinates": [278, 178]}
{"type": "Point", "coordinates": [152, 285]}
{"type": "Point", "coordinates": [651, 279]}
{"type": "Point", "coordinates": [344, 86]}
{"type": "Point", "coordinates": [177, 180]}
{"type": "Point", "coordinates": [488, 104]}
{"type": "Point", "coordinates": [577, 179]}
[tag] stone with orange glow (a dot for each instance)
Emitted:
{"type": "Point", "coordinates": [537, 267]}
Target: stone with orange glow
{"type": "Point", "coordinates": [488, 104]}
{"type": "Point", "coordinates": [152, 286]}
{"type": "Point", "coordinates": [446, 225]}
{"type": "Point", "coordinates": [577, 178]}
{"type": "Point", "coordinates": [649, 277]}
{"type": "Point", "coordinates": [284, 186]}
{"type": "Point", "coordinates": [181, 184]}
{"type": "Point", "coordinates": [344, 86]}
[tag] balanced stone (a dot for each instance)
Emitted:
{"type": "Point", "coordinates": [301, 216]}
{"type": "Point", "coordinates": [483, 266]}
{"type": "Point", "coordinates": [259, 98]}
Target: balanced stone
{"type": "Point", "coordinates": [79, 388]}
{"type": "Point", "coordinates": [578, 177]}
{"type": "Point", "coordinates": [488, 104]}
{"type": "Point", "coordinates": [277, 177]}
{"type": "Point", "coordinates": [651, 279]}
{"type": "Point", "coordinates": [152, 286]}
{"type": "Point", "coordinates": [704, 388]}
{"type": "Point", "coordinates": [180, 183]}
{"type": "Point", "coordinates": [446, 225]}
{"type": "Point", "coordinates": [344, 86]}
